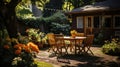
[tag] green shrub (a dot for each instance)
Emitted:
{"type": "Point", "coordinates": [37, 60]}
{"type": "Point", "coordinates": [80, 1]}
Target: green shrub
{"type": "Point", "coordinates": [111, 47]}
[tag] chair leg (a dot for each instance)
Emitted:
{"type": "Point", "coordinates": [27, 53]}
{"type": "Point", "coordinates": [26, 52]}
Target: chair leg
{"type": "Point", "coordinates": [88, 49]}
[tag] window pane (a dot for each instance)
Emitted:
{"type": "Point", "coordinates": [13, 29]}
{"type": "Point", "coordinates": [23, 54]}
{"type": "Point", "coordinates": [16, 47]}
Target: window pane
{"type": "Point", "coordinates": [79, 22]}
{"type": "Point", "coordinates": [107, 22]}
{"type": "Point", "coordinates": [117, 21]}
{"type": "Point", "coordinates": [96, 21]}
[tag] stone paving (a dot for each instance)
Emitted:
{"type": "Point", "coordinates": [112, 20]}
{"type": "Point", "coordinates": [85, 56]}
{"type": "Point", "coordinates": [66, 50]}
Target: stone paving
{"type": "Point", "coordinates": [98, 60]}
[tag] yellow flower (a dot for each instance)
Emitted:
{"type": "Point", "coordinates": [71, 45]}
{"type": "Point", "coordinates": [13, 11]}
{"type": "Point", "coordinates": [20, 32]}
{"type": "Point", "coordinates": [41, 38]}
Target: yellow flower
{"type": "Point", "coordinates": [73, 33]}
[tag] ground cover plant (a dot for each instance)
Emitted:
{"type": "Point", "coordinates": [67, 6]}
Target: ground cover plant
{"type": "Point", "coordinates": [112, 47]}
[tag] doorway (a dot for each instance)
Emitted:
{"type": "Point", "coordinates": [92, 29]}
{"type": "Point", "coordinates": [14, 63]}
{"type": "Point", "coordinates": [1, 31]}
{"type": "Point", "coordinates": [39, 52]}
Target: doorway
{"type": "Point", "coordinates": [89, 25]}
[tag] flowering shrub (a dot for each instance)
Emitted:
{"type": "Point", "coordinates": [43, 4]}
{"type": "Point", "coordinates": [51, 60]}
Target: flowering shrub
{"type": "Point", "coordinates": [25, 55]}
{"type": "Point", "coordinates": [6, 52]}
{"type": "Point", "coordinates": [112, 47]}
{"type": "Point", "coordinates": [36, 36]}
{"type": "Point", "coordinates": [16, 54]}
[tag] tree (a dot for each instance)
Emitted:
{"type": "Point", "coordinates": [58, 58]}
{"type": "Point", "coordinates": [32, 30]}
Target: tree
{"type": "Point", "coordinates": [38, 4]}
{"type": "Point", "coordinates": [8, 16]}
{"type": "Point", "coordinates": [8, 12]}
{"type": "Point", "coordinates": [52, 7]}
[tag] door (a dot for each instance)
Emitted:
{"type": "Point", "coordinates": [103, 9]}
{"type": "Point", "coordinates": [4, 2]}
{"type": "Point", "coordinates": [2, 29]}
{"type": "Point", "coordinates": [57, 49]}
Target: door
{"type": "Point", "coordinates": [89, 25]}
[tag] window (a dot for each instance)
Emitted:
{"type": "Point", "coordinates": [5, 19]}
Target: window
{"type": "Point", "coordinates": [107, 21]}
{"type": "Point", "coordinates": [96, 22]}
{"type": "Point", "coordinates": [117, 21]}
{"type": "Point", "coordinates": [79, 22]}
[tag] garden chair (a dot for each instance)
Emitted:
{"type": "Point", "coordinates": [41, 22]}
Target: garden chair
{"type": "Point", "coordinates": [60, 43]}
{"type": "Point", "coordinates": [79, 42]}
{"type": "Point", "coordinates": [51, 41]}
{"type": "Point", "coordinates": [88, 43]}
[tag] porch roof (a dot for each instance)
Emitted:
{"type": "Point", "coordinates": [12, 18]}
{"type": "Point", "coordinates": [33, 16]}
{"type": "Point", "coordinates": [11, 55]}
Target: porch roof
{"type": "Point", "coordinates": [108, 5]}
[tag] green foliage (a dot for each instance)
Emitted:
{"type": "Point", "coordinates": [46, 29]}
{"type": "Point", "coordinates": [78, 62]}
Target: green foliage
{"type": "Point", "coordinates": [23, 39]}
{"type": "Point", "coordinates": [60, 28]}
{"type": "Point", "coordinates": [6, 55]}
{"type": "Point", "coordinates": [52, 7]}
{"type": "Point", "coordinates": [33, 22]}
{"type": "Point", "coordinates": [111, 47]}
{"type": "Point", "coordinates": [25, 60]}
{"type": "Point", "coordinates": [67, 6]}
{"type": "Point", "coordinates": [13, 53]}
{"type": "Point", "coordinates": [35, 35]}
{"type": "Point", "coordinates": [58, 23]}
{"type": "Point", "coordinates": [99, 39]}
{"type": "Point", "coordinates": [58, 17]}
{"type": "Point", "coordinates": [24, 13]}
{"type": "Point", "coordinates": [23, 9]}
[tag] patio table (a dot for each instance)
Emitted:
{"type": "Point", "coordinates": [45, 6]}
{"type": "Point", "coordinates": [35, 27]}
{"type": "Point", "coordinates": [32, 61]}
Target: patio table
{"type": "Point", "coordinates": [71, 39]}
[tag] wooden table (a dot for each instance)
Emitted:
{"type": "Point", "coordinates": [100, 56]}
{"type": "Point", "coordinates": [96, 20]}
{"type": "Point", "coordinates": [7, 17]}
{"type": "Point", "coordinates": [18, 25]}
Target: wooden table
{"type": "Point", "coordinates": [71, 39]}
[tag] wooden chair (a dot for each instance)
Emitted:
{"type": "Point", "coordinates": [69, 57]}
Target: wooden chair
{"type": "Point", "coordinates": [88, 43]}
{"type": "Point", "coordinates": [80, 35]}
{"type": "Point", "coordinates": [79, 42]}
{"type": "Point", "coordinates": [51, 41]}
{"type": "Point", "coordinates": [60, 43]}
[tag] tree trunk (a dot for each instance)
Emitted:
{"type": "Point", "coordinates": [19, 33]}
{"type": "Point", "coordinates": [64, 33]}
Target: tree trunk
{"type": "Point", "coordinates": [8, 16]}
{"type": "Point", "coordinates": [11, 23]}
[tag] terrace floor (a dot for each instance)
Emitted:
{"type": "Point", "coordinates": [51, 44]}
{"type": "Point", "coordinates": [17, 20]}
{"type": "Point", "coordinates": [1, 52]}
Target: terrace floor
{"type": "Point", "coordinates": [71, 60]}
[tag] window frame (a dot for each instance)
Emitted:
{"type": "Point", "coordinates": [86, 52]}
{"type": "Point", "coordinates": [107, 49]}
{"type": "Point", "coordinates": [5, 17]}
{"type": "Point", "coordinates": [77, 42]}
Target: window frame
{"type": "Point", "coordinates": [99, 23]}
{"type": "Point", "coordinates": [80, 22]}
{"type": "Point", "coordinates": [114, 22]}
{"type": "Point", "coordinates": [104, 17]}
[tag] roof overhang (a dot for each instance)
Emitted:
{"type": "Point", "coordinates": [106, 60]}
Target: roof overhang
{"type": "Point", "coordinates": [101, 7]}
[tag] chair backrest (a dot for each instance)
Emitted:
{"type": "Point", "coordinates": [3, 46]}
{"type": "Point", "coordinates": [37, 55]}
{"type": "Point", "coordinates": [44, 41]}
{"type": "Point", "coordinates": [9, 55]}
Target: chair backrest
{"type": "Point", "coordinates": [89, 40]}
{"type": "Point", "coordinates": [59, 42]}
{"type": "Point", "coordinates": [51, 38]}
{"type": "Point", "coordinates": [80, 34]}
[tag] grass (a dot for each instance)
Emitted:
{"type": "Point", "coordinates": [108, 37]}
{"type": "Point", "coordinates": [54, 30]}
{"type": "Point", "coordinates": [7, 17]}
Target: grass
{"type": "Point", "coordinates": [43, 64]}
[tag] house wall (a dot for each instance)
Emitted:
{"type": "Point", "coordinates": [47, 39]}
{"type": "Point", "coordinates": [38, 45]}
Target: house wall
{"type": "Point", "coordinates": [108, 31]}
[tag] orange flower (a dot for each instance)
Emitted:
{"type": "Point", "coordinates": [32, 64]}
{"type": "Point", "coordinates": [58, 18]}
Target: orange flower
{"type": "Point", "coordinates": [17, 52]}
{"type": "Point", "coordinates": [6, 46]}
{"type": "Point", "coordinates": [19, 46]}
{"type": "Point", "coordinates": [27, 49]}
{"type": "Point", "coordinates": [33, 47]}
